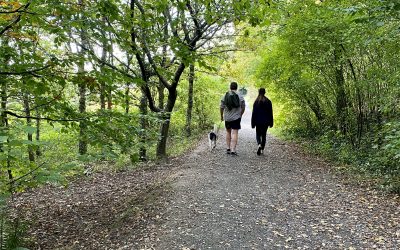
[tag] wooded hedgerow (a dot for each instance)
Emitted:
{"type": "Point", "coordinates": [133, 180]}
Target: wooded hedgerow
{"type": "Point", "coordinates": [87, 81]}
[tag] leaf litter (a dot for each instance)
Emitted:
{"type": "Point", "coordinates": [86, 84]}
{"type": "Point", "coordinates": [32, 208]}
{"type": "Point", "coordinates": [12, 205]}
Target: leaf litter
{"type": "Point", "coordinates": [284, 199]}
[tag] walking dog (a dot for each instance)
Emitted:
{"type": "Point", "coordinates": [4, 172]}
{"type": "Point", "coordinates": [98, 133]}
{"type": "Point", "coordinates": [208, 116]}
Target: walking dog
{"type": "Point", "coordinates": [212, 137]}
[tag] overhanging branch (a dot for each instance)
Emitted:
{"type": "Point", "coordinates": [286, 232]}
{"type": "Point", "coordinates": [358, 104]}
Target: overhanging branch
{"type": "Point", "coordinates": [41, 118]}
{"type": "Point", "coordinates": [16, 20]}
{"type": "Point", "coordinates": [27, 72]}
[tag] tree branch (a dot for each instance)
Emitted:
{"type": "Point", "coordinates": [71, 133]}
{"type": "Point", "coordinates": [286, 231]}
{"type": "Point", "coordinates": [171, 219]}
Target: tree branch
{"type": "Point", "coordinates": [16, 10]}
{"type": "Point", "coordinates": [16, 20]}
{"type": "Point", "coordinates": [146, 90]}
{"type": "Point", "coordinates": [194, 18]}
{"type": "Point", "coordinates": [41, 118]}
{"type": "Point", "coordinates": [146, 50]}
{"type": "Point", "coordinates": [25, 175]}
{"type": "Point", "coordinates": [49, 102]}
{"type": "Point", "coordinates": [27, 72]}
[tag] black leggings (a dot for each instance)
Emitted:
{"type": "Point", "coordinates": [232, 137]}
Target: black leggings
{"type": "Point", "coordinates": [261, 135]}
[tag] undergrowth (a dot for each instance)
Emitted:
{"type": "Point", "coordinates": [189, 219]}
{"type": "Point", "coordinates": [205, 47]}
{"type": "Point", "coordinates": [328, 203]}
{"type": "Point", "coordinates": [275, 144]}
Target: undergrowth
{"type": "Point", "coordinates": [374, 160]}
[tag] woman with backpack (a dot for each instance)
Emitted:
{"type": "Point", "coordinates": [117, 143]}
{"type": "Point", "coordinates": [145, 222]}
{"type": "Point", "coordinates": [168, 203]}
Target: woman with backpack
{"type": "Point", "coordinates": [261, 119]}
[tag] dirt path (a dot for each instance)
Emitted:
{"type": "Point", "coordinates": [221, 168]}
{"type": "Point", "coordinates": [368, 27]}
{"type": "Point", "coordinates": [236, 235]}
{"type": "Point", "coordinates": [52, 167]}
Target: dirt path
{"type": "Point", "coordinates": [281, 200]}
{"type": "Point", "coordinates": [284, 199]}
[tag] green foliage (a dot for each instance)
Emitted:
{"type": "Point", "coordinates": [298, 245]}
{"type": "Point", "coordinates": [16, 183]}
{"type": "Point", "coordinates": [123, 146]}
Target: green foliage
{"type": "Point", "coordinates": [208, 91]}
{"type": "Point", "coordinates": [11, 229]}
{"type": "Point", "coordinates": [387, 149]}
{"type": "Point", "coordinates": [41, 48]}
{"type": "Point", "coordinates": [337, 81]}
{"type": "Point", "coordinates": [72, 75]}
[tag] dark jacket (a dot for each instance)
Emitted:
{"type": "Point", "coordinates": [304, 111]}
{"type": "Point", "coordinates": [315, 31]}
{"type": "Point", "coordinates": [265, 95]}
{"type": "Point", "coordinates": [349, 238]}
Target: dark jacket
{"type": "Point", "coordinates": [262, 114]}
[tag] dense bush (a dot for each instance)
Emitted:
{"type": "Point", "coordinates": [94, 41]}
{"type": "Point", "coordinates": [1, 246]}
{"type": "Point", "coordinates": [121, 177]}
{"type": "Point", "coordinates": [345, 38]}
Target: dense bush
{"type": "Point", "coordinates": [335, 70]}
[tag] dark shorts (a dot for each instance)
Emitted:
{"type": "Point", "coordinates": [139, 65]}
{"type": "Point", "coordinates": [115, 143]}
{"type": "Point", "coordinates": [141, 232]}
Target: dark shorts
{"type": "Point", "coordinates": [233, 124]}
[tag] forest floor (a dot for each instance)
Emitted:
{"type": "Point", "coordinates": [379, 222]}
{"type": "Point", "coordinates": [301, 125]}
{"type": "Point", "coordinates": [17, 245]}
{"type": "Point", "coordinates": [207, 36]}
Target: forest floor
{"type": "Point", "coordinates": [284, 199]}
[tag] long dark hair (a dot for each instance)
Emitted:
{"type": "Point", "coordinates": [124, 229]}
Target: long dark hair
{"type": "Point", "coordinates": [261, 96]}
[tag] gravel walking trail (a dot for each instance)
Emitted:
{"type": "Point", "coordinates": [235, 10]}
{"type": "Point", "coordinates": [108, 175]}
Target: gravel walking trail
{"type": "Point", "coordinates": [284, 199]}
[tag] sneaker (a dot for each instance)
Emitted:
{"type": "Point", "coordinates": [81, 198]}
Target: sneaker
{"type": "Point", "coordinates": [228, 151]}
{"type": "Point", "coordinates": [259, 150]}
{"type": "Point", "coordinates": [234, 153]}
{"type": "Point", "coordinates": [262, 151]}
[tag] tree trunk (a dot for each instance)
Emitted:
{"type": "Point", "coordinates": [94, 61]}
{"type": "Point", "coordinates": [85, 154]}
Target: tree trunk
{"type": "Point", "coordinates": [109, 98]}
{"type": "Point", "coordinates": [4, 125]}
{"type": "Point", "coordinates": [82, 147]}
{"type": "Point", "coordinates": [4, 120]}
{"type": "Point", "coordinates": [127, 98]}
{"type": "Point", "coordinates": [341, 102]}
{"type": "Point", "coordinates": [103, 59]}
{"type": "Point", "coordinates": [102, 95]}
{"type": "Point", "coordinates": [82, 123]}
{"type": "Point", "coordinates": [166, 118]}
{"type": "Point", "coordinates": [82, 110]}
{"type": "Point", "coordinates": [315, 107]}
{"type": "Point", "coordinates": [162, 143]}
{"type": "Point", "coordinates": [341, 99]}
{"type": "Point", "coordinates": [110, 84]}
{"type": "Point", "coordinates": [190, 101]}
{"type": "Point", "coordinates": [82, 86]}
{"type": "Point", "coordinates": [161, 95]}
{"type": "Point", "coordinates": [38, 152]}
{"type": "Point", "coordinates": [143, 127]}
{"type": "Point", "coordinates": [127, 85]}
{"type": "Point", "coordinates": [31, 153]}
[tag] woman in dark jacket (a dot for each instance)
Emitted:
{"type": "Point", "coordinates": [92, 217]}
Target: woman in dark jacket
{"type": "Point", "coordinates": [262, 118]}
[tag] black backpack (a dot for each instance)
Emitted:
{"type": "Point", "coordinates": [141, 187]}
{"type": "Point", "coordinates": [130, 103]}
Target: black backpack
{"type": "Point", "coordinates": [231, 100]}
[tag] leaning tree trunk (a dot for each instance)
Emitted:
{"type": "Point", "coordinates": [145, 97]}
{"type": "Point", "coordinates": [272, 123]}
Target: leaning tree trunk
{"type": "Point", "coordinates": [31, 153]}
{"type": "Point", "coordinates": [190, 101]}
